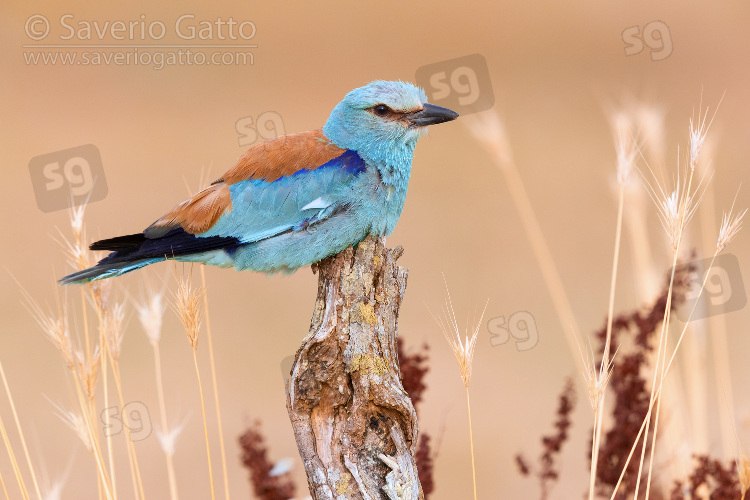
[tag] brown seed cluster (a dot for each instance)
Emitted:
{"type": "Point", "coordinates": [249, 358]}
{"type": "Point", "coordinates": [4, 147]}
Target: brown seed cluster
{"type": "Point", "coordinates": [265, 486]}
{"type": "Point", "coordinates": [552, 444]}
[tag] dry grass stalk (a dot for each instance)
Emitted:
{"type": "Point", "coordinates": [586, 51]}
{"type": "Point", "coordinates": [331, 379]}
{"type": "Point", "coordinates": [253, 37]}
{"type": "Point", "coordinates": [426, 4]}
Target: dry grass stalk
{"type": "Point", "coordinates": [656, 393]}
{"type": "Point", "coordinates": [77, 423]}
{"type": "Point", "coordinates": [718, 331]}
{"type": "Point", "coordinates": [85, 369]}
{"type": "Point", "coordinates": [56, 329]}
{"type": "Point", "coordinates": [5, 490]}
{"type": "Point", "coordinates": [110, 317]}
{"type": "Point", "coordinates": [489, 130]}
{"type": "Point", "coordinates": [626, 148]}
{"type": "Point", "coordinates": [112, 338]}
{"type": "Point", "coordinates": [675, 211]}
{"type": "Point", "coordinates": [151, 315]}
{"type": "Point", "coordinates": [464, 353]}
{"type": "Point", "coordinates": [188, 308]}
{"type": "Point", "coordinates": [13, 462]}
{"type": "Point", "coordinates": [214, 384]}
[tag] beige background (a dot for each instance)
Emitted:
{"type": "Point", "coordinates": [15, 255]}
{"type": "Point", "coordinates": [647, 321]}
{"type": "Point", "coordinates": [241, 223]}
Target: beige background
{"type": "Point", "coordinates": [554, 67]}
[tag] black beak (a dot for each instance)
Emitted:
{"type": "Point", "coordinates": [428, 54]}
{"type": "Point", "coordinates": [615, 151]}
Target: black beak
{"type": "Point", "coordinates": [430, 115]}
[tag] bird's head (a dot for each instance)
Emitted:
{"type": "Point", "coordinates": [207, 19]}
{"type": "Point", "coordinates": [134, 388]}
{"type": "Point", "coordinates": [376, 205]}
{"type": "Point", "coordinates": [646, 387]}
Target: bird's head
{"type": "Point", "coordinates": [383, 120]}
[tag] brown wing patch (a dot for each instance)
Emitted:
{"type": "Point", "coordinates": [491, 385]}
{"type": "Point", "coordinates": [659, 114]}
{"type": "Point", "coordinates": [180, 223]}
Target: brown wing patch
{"type": "Point", "coordinates": [268, 161]}
{"type": "Point", "coordinates": [196, 215]}
{"type": "Point", "coordinates": [283, 156]}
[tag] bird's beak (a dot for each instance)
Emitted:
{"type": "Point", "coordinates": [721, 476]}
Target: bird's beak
{"type": "Point", "coordinates": [430, 115]}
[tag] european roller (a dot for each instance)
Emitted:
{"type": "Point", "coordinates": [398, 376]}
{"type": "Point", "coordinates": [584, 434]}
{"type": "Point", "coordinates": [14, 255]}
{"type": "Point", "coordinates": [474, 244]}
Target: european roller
{"type": "Point", "coordinates": [296, 199]}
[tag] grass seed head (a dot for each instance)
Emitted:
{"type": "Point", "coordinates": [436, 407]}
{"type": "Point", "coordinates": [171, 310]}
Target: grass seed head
{"type": "Point", "coordinates": [189, 309]}
{"type": "Point", "coordinates": [730, 226]}
{"type": "Point", "coordinates": [463, 350]}
{"type": "Point", "coordinates": [113, 330]}
{"type": "Point", "coordinates": [77, 424]}
{"type": "Point", "coordinates": [151, 315]}
{"type": "Point", "coordinates": [625, 145]}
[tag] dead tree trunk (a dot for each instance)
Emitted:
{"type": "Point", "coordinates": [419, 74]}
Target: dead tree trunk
{"type": "Point", "coordinates": [355, 426]}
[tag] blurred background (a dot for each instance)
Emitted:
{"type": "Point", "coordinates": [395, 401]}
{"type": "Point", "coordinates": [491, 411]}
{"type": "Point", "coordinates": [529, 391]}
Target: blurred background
{"type": "Point", "coordinates": [553, 71]}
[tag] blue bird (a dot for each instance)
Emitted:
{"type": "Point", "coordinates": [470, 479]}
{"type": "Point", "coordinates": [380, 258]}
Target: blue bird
{"type": "Point", "coordinates": [296, 199]}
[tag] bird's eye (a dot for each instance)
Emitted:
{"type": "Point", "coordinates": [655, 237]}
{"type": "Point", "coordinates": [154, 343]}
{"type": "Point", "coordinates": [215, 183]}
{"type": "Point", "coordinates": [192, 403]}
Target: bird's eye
{"type": "Point", "coordinates": [381, 110]}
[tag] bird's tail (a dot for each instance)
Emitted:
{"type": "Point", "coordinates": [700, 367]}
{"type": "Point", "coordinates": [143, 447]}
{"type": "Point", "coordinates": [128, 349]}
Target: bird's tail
{"type": "Point", "coordinates": [103, 271]}
{"type": "Point", "coordinates": [134, 251]}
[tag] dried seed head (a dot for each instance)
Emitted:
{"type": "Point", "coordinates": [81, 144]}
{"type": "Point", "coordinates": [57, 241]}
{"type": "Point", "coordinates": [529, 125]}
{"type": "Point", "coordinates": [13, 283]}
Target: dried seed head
{"type": "Point", "coordinates": [625, 145]}
{"type": "Point", "coordinates": [730, 226]}
{"type": "Point", "coordinates": [88, 370]}
{"type": "Point", "coordinates": [54, 327]}
{"type": "Point", "coordinates": [698, 137]}
{"type": "Point", "coordinates": [113, 330]}
{"type": "Point", "coordinates": [77, 423]}
{"type": "Point", "coordinates": [151, 315]}
{"type": "Point", "coordinates": [596, 380]}
{"type": "Point", "coordinates": [168, 440]}
{"type": "Point", "coordinates": [463, 350]}
{"type": "Point", "coordinates": [677, 207]}
{"type": "Point", "coordinates": [189, 310]}
{"type": "Point", "coordinates": [650, 121]}
{"type": "Point", "coordinates": [76, 214]}
{"type": "Point", "coordinates": [102, 291]}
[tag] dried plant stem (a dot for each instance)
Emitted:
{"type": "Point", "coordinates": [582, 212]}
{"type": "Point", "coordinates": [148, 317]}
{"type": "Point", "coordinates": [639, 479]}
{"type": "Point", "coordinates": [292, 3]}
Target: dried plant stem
{"type": "Point", "coordinates": [93, 438]}
{"type": "Point", "coordinates": [135, 469]}
{"type": "Point", "coordinates": [13, 462]}
{"type": "Point", "coordinates": [489, 129]}
{"type": "Point", "coordinates": [20, 431]}
{"type": "Point", "coordinates": [163, 415]}
{"type": "Point", "coordinates": [214, 384]}
{"type": "Point", "coordinates": [205, 424]}
{"type": "Point", "coordinates": [189, 310]}
{"type": "Point", "coordinates": [594, 452]}
{"type": "Point", "coordinates": [91, 405]}
{"type": "Point", "coordinates": [471, 441]}
{"type": "Point", "coordinates": [7, 497]}
{"type": "Point", "coordinates": [551, 276]}
{"type": "Point", "coordinates": [719, 345]}
{"type": "Point", "coordinates": [657, 390]}
{"type": "Point", "coordinates": [84, 308]}
{"type": "Point", "coordinates": [660, 354]}
{"type": "Point", "coordinates": [599, 414]}
{"type": "Point", "coordinates": [683, 215]}
{"type": "Point", "coordinates": [135, 473]}
{"type": "Point", "coordinates": [105, 384]}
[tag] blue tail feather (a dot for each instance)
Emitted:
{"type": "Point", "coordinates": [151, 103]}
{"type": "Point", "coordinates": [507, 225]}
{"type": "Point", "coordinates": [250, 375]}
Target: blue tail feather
{"type": "Point", "coordinates": [135, 251]}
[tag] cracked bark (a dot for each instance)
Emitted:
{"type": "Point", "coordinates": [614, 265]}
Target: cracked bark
{"type": "Point", "coordinates": [355, 426]}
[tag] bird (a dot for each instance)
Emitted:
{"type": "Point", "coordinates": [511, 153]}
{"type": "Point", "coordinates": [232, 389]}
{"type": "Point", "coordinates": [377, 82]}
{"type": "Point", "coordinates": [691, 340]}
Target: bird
{"type": "Point", "coordinates": [296, 199]}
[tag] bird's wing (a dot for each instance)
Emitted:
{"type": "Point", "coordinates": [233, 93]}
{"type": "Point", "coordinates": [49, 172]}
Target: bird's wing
{"type": "Point", "coordinates": [280, 185]}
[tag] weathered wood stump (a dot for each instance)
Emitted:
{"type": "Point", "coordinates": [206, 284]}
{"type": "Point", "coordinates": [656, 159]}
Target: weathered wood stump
{"type": "Point", "coordinates": [355, 426]}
